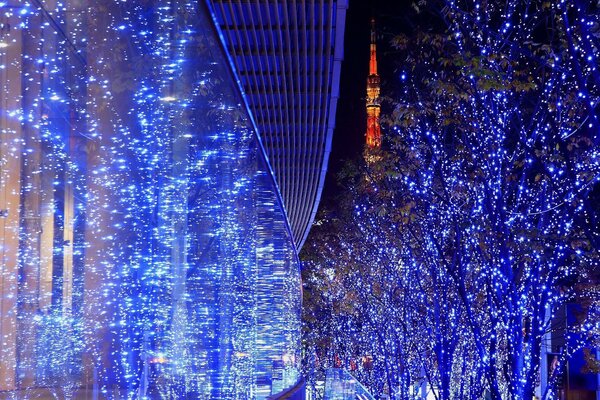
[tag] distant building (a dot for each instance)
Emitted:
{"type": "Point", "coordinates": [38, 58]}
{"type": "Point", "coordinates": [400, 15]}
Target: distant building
{"type": "Point", "coordinates": [160, 165]}
{"type": "Point", "coordinates": [373, 135]}
{"type": "Point", "coordinates": [571, 379]}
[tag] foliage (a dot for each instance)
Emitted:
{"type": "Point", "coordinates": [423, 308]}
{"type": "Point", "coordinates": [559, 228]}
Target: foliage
{"type": "Point", "coordinates": [471, 229]}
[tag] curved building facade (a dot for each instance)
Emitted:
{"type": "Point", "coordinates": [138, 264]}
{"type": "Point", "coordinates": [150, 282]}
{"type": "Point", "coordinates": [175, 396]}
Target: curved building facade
{"type": "Point", "coordinates": [287, 56]}
{"type": "Point", "coordinates": [146, 251]}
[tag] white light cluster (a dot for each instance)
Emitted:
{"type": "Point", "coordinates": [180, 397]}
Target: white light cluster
{"type": "Point", "coordinates": [476, 230]}
{"type": "Point", "coordinates": [145, 253]}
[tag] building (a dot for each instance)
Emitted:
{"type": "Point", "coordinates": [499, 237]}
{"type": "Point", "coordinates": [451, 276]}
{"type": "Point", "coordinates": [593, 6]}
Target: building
{"type": "Point", "coordinates": [150, 208]}
{"type": "Point", "coordinates": [373, 134]}
{"type": "Point", "coordinates": [288, 58]}
{"type": "Point", "coordinates": [572, 379]}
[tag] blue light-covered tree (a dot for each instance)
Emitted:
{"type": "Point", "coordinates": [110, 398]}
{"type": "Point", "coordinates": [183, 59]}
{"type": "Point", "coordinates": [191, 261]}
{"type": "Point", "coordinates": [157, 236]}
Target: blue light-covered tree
{"type": "Point", "coordinates": [478, 210]}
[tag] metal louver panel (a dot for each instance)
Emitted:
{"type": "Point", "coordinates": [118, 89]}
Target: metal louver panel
{"type": "Point", "coordinates": [287, 56]}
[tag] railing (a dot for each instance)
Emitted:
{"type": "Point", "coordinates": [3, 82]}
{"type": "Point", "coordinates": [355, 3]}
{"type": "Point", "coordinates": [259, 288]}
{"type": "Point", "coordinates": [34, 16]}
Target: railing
{"type": "Point", "coordinates": [298, 392]}
{"type": "Point", "coordinates": [341, 385]}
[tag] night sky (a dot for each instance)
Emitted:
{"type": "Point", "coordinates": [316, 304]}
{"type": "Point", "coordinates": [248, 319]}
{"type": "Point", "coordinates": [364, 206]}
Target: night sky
{"type": "Point", "coordinates": [348, 137]}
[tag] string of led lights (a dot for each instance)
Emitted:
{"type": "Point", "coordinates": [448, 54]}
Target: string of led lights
{"type": "Point", "coordinates": [146, 253]}
{"type": "Point", "coordinates": [474, 230]}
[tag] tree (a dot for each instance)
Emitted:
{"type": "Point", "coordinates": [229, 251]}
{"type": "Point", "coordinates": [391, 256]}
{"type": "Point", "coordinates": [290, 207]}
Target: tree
{"type": "Point", "coordinates": [482, 194]}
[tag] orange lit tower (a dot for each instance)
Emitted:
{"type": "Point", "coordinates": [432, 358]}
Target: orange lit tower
{"type": "Point", "coordinates": [373, 88]}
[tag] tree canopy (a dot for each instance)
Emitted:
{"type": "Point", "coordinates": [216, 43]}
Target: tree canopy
{"type": "Point", "coordinates": [454, 248]}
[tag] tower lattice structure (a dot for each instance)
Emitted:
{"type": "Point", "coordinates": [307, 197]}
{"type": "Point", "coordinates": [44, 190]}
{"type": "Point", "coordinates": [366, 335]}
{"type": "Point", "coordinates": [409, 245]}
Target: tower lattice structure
{"type": "Point", "coordinates": [373, 103]}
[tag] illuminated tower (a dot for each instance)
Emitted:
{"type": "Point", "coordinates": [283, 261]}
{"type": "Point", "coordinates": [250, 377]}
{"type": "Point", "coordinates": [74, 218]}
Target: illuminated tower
{"type": "Point", "coordinates": [373, 88]}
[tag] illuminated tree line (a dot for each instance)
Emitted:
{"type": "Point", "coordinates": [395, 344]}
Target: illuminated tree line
{"type": "Point", "coordinates": [455, 245]}
{"type": "Point", "coordinates": [144, 248]}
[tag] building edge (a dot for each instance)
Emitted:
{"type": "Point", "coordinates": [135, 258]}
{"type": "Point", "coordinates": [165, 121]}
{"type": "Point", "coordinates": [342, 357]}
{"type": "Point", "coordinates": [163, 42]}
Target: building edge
{"type": "Point", "coordinates": [235, 76]}
{"type": "Point", "coordinates": [338, 57]}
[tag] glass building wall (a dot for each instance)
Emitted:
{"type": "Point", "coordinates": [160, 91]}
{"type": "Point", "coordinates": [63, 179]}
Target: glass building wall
{"type": "Point", "coordinates": [144, 250]}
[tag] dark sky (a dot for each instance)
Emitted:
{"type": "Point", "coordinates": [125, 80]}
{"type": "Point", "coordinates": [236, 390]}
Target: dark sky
{"type": "Point", "coordinates": [348, 137]}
